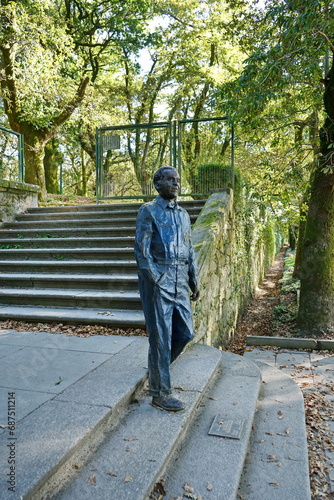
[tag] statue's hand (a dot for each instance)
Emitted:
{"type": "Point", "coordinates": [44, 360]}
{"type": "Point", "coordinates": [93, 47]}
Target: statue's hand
{"type": "Point", "coordinates": [195, 294]}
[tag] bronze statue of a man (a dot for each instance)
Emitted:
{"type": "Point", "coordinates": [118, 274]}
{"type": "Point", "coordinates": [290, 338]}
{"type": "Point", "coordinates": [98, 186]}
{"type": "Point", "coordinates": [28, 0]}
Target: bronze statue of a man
{"type": "Point", "coordinates": [166, 270]}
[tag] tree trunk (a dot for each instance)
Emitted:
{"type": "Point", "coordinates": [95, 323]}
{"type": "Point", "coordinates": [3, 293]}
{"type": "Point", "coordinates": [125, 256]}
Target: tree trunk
{"type": "Point", "coordinates": [34, 161]}
{"type": "Point", "coordinates": [316, 311]}
{"type": "Point", "coordinates": [52, 160]}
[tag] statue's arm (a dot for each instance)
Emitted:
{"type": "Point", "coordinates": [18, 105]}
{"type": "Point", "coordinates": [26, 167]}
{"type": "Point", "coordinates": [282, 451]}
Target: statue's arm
{"type": "Point", "coordinates": [193, 272]}
{"type": "Point", "coordinates": [144, 231]}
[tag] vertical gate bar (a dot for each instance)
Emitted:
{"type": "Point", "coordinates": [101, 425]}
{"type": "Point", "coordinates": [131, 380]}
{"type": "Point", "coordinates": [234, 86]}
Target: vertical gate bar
{"type": "Point", "coordinates": [232, 153]}
{"type": "Point", "coordinates": [21, 157]}
{"type": "Point", "coordinates": [179, 153]}
{"type": "Point", "coordinates": [173, 149]}
{"type": "Point", "coordinates": [97, 163]}
{"type": "Point", "coordinates": [61, 178]}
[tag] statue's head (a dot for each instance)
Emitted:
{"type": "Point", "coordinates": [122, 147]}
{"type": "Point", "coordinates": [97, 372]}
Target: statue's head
{"type": "Point", "coordinates": [167, 182]}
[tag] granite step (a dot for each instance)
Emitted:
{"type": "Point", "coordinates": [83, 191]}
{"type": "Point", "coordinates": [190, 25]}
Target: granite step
{"type": "Point", "coordinates": [133, 457]}
{"type": "Point", "coordinates": [63, 431]}
{"type": "Point", "coordinates": [67, 254]}
{"type": "Point", "coordinates": [79, 242]}
{"type": "Point", "coordinates": [111, 299]}
{"type": "Point", "coordinates": [276, 466]}
{"type": "Point", "coordinates": [63, 233]}
{"type": "Point", "coordinates": [187, 204]}
{"type": "Point", "coordinates": [86, 281]}
{"type": "Point", "coordinates": [71, 223]}
{"type": "Point", "coordinates": [62, 258]}
{"type": "Point", "coordinates": [120, 211]}
{"type": "Point", "coordinates": [126, 222]}
{"type": "Point", "coordinates": [70, 266]}
{"type": "Point", "coordinates": [115, 318]}
{"type": "Point", "coordinates": [210, 466]}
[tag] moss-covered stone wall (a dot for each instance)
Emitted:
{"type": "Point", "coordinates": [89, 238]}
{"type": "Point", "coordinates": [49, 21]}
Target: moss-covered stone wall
{"type": "Point", "coordinates": [15, 198]}
{"type": "Point", "coordinates": [234, 242]}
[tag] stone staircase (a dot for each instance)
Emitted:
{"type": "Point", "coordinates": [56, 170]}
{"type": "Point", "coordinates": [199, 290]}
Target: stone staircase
{"type": "Point", "coordinates": [73, 265]}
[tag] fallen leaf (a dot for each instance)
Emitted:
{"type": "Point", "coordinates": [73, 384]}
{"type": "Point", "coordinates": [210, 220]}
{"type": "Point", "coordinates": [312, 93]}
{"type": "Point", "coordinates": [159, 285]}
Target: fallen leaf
{"type": "Point", "coordinates": [92, 480]}
{"type": "Point", "coordinates": [179, 388]}
{"type": "Point", "coordinates": [188, 488]}
{"type": "Point", "coordinates": [159, 488]}
{"type": "Point", "coordinates": [130, 439]}
{"type": "Point", "coordinates": [128, 478]}
{"type": "Point", "coordinates": [111, 474]}
{"type": "Point", "coordinates": [212, 399]}
{"type": "Point", "coordinates": [209, 487]}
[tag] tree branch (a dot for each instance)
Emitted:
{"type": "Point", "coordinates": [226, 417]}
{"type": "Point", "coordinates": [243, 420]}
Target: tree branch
{"type": "Point", "coordinates": [328, 40]}
{"type": "Point", "coordinates": [70, 107]}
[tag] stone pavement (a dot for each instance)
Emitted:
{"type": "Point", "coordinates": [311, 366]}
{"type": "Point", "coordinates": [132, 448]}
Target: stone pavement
{"type": "Point", "coordinates": [314, 373]}
{"type": "Point", "coordinates": [76, 423]}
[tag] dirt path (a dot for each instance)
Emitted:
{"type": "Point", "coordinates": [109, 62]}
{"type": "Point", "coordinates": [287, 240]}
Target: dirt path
{"type": "Point", "coordinates": [259, 315]}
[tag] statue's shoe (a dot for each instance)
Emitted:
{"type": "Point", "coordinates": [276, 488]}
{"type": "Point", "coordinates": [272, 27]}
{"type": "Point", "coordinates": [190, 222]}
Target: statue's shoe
{"type": "Point", "coordinates": [167, 403]}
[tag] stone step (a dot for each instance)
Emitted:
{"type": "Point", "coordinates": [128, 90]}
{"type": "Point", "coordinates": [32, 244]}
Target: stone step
{"type": "Point", "coordinates": [70, 281]}
{"type": "Point", "coordinates": [127, 222]}
{"type": "Point", "coordinates": [79, 242]}
{"type": "Point", "coordinates": [71, 298]}
{"type": "Point", "coordinates": [65, 428]}
{"type": "Point", "coordinates": [125, 213]}
{"type": "Point", "coordinates": [60, 233]}
{"type": "Point", "coordinates": [115, 318]}
{"type": "Point", "coordinates": [122, 212]}
{"type": "Point", "coordinates": [277, 462]}
{"type": "Point", "coordinates": [107, 207]}
{"type": "Point", "coordinates": [211, 465]}
{"type": "Point", "coordinates": [85, 208]}
{"type": "Point", "coordinates": [70, 266]}
{"type": "Point", "coordinates": [134, 454]}
{"type": "Point", "coordinates": [86, 254]}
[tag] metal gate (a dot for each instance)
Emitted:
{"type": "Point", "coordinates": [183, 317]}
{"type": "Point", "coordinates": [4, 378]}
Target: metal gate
{"type": "Point", "coordinates": [11, 155]}
{"type": "Point", "coordinates": [127, 157]}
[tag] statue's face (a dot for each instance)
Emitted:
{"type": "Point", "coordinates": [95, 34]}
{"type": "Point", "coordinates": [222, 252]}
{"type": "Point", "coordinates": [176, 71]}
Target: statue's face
{"type": "Point", "coordinates": [168, 187]}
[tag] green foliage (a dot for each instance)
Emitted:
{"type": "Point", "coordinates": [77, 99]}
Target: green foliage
{"type": "Point", "coordinates": [288, 284]}
{"type": "Point", "coordinates": [8, 247]}
{"type": "Point", "coordinates": [212, 176]}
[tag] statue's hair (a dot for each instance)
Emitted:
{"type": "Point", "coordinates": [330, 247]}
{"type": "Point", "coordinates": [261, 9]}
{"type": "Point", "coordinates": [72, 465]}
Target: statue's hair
{"type": "Point", "coordinates": [160, 173]}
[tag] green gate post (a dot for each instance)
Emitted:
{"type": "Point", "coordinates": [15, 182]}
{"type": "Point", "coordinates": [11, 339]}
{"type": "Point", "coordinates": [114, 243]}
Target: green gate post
{"type": "Point", "coordinates": [97, 166]}
{"type": "Point", "coordinates": [21, 157]}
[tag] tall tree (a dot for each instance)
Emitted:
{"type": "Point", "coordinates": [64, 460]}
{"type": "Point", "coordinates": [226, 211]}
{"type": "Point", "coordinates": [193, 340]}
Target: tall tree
{"type": "Point", "coordinates": [50, 51]}
{"type": "Point", "coordinates": [288, 46]}
{"type": "Point", "coordinates": [188, 56]}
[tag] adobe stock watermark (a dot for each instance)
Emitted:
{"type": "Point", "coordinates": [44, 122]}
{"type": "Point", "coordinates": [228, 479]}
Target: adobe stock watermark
{"type": "Point", "coordinates": [11, 445]}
